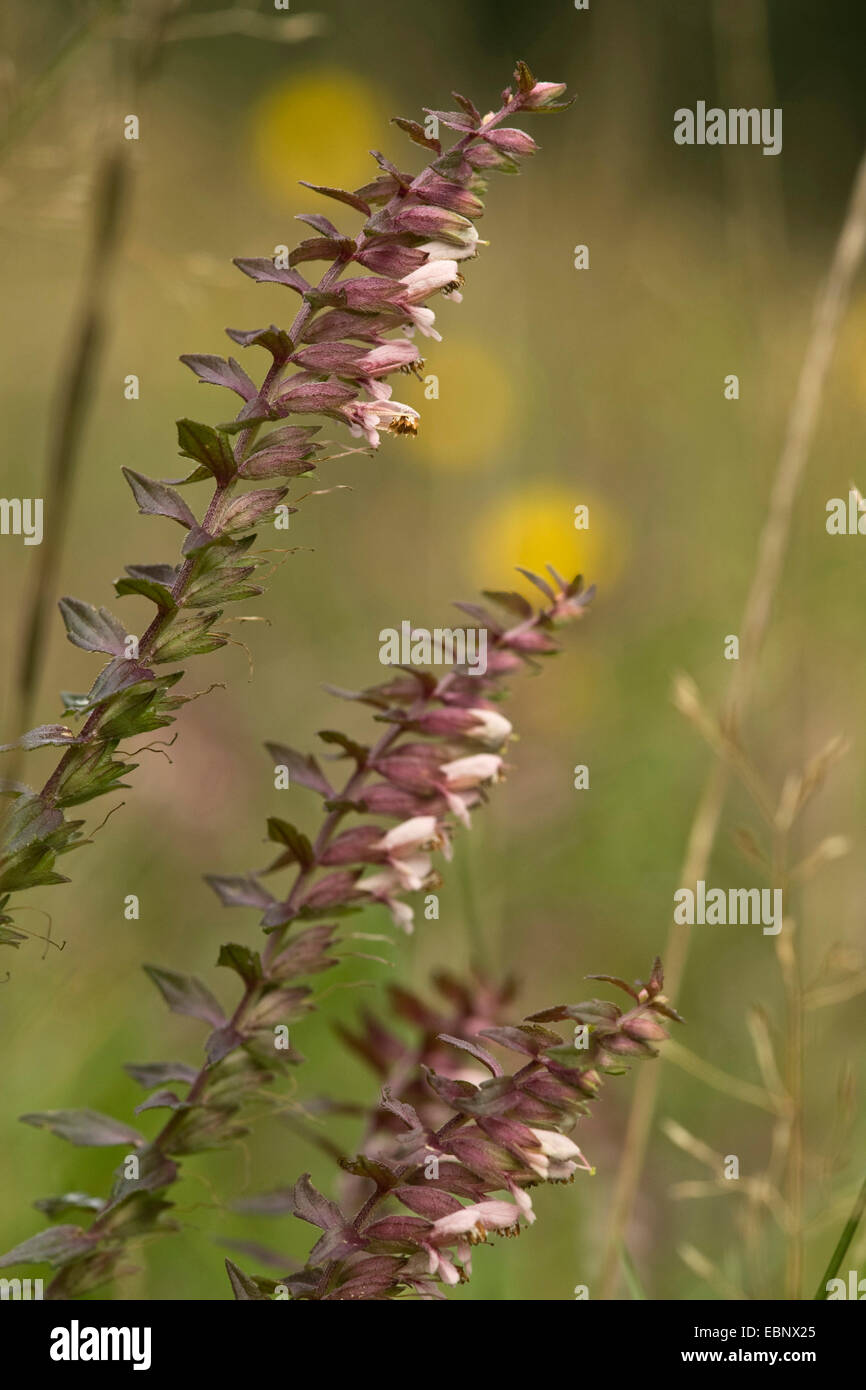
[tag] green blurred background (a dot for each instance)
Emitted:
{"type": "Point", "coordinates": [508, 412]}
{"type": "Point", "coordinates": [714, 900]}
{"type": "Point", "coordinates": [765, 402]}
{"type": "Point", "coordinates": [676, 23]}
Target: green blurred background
{"type": "Point", "coordinates": [557, 387]}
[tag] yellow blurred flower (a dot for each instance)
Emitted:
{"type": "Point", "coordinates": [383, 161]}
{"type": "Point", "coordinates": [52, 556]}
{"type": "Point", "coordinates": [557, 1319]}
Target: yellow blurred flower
{"type": "Point", "coordinates": [475, 412]}
{"type": "Point", "coordinates": [300, 129]}
{"type": "Point", "coordinates": [535, 527]}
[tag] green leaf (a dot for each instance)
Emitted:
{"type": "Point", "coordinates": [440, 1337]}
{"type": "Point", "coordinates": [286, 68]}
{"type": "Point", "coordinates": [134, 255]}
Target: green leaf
{"type": "Point", "coordinates": [32, 868]}
{"type": "Point", "coordinates": [149, 1074]}
{"type": "Point", "coordinates": [417, 133]}
{"type": "Point", "coordinates": [224, 588]}
{"type": "Point", "coordinates": [278, 344]}
{"type": "Point", "coordinates": [85, 1128]}
{"type": "Point", "coordinates": [69, 1201]}
{"type": "Point", "coordinates": [278, 1006]}
{"type": "Point", "coordinates": [342, 196]}
{"type": "Point", "coordinates": [8, 937]}
{"type": "Point", "coordinates": [55, 735]}
{"type": "Point", "coordinates": [136, 714]}
{"type": "Point", "coordinates": [28, 820]}
{"type": "Point", "coordinates": [190, 638]}
{"type": "Point", "coordinates": [304, 771]}
{"type": "Point", "coordinates": [217, 371]}
{"type": "Point", "coordinates": [184, 994]}
{"type": "Point", "coordinates": [247, 963]}
{"type": "Point", "coordinates": [91, 772]}
{"type": "Point", "coordinates": [235, 891]}
{"type": "Point", "coordinates": [244, 1287]}
{"type": "Point", "coordinates": [207, 447]}
{"type": "Point", "coordinates": [147, 588]}
{"type": "Point", "coordinates": [285, 834]}
{"type": "Point", "coordinates": [54, 1247]}
{"type": "Point", "coordinates": [513, 602]}
{"type": "Point", "coordinates": [358, 751]}
{"type": "Point", "coordinates": [73, 704]}
{"type": "Point", "coordinates": [200, 540]}
{"type": "Point", "coordinates": [118, 675]}
{"type": "Point", "coordinates": [94, 629]}
{"type": "Point", "coordinates": [155, 499]}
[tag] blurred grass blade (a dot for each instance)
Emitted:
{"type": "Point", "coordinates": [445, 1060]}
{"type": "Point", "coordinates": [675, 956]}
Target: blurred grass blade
{"type": "Point", "coordinates": [632, 1278]}
{"type": "Point", "coordinates": [845, 1240]}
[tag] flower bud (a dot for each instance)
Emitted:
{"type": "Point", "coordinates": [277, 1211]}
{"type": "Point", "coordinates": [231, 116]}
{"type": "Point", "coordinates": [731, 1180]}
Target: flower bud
{"type": "Point", "coordinates": [542, 94]}
{"type": "Point", "coordinates": [512, 141]}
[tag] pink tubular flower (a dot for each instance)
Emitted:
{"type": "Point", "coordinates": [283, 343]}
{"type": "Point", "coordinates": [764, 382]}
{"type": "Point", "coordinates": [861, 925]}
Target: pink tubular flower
{"type": "Point", "coordinates": [432, 278]}
{"type": "Point", "coordinates": [523, 1201]}
{"type": "Point", "coordinates": [439, 1265]}
{"type": "Point", "coordinates": [402, 843]}
{"type": "Point", "coordinates": [392, 356]}
{"type": "Point", "coordinates": [366, 418]}
{"type": "Point", "coordinates": [464, 773]}
{"type": "Point", "coordinates": [423, 319]}
{"type": "Point", "coordinates": [489, 727]}
{"type": "Point", "coordinates": [449, 250]}
{"type": "Point", "coordinates": [485, 726]}
{"type": "Point", "coordinates": [467, 775]}
{"type": "Point", "coordinates": [559, 1157]}
{"type": "Point", "coordinates": [474, 1221]}
{"type": "Point", "coordinates": [386, 887]}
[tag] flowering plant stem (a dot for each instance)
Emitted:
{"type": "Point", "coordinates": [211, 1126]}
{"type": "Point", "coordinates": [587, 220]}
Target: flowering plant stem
{"type": "Point", "coordinates": [411, 245]}
{"type": "Point", "coordinates": [245, 1050]}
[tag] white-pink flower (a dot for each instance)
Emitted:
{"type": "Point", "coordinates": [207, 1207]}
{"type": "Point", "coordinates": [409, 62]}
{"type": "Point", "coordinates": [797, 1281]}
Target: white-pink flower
{"type": "Point", "coordinates": [490, 727]}
{"type": "Point", "coordinates": [466, 775]}
{"type": "Point", "coordinates": [429, 279]}
{"type": "Point", "coordinates": [447, 251]}
{"type": "Point", "coordinates": [474, 1221]}
{"type": "Point", "coordinates": [388, 357]}
{"type": "Point", "coordinates": [417, 833]}
{"type": "Point", "coordinates": [559, 1156]}
{"type": "Point", "coordinates": [366, 418]}
{"type": "Point", "coordinates": [386, 887]}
